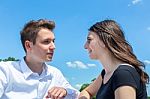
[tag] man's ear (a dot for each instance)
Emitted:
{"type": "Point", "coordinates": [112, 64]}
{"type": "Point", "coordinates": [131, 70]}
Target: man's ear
{"type": "Point", "coordinates": [28, 45]}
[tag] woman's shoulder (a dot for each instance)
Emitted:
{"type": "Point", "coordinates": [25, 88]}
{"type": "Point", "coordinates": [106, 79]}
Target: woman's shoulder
{"type": "Point", "coordinates": [127, 68]}
{"type": "Point", "coordinates": [127, 71]}
{"type": "Point", "coordinates": [126, 75]}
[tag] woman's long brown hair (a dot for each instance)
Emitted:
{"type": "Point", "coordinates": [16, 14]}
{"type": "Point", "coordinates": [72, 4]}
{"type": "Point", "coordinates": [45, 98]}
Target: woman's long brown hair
{"type": "Point", "coordinates": [113, 37]}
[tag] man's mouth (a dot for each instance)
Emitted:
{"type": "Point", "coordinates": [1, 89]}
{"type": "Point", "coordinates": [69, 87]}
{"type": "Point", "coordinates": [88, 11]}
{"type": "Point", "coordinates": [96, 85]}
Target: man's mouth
{"type": "Point", "coordinates": [50, 53]}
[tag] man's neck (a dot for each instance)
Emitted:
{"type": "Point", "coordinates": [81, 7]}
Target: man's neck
{"type": "Point", "coordinates": [36, 67]}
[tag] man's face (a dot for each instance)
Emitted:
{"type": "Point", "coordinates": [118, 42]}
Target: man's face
{"type": "Point", "coordinates": [44, 47]}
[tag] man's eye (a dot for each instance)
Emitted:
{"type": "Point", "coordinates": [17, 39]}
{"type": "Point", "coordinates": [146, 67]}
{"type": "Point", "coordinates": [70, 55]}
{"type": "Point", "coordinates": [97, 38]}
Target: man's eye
{"type": "Point", "coordinates": [53, 41]}
{"type": "Point", "coordinates": [46, 42]}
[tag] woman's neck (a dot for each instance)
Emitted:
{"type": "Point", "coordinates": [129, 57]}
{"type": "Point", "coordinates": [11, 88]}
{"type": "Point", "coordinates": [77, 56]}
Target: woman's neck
{"type": "Point", "coordinates": [110, 64]}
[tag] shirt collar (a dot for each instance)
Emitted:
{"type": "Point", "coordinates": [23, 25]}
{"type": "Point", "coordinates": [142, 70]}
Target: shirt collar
{"type": "Point", "coordinates": [27, 71]}
{"type": "Point", "coordinates": [45, 71]}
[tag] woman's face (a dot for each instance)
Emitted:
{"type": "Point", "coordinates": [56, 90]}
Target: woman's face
{"type": "Point", "coordinates": [94, 46]}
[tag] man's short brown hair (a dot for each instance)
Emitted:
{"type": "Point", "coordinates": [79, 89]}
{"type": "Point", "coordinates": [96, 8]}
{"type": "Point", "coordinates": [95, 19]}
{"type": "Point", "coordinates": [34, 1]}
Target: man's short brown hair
{"type": "Point", "coordinates": [31, 29]}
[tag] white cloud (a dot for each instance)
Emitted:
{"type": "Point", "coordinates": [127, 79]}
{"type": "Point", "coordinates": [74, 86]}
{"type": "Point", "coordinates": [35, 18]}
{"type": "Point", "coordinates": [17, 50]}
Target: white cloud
{"type": "Point", "coordinates": [70, 64]}
{"type": "Point", "coordinates": [91, 65]}
{"type": "Point", "coordinates": [78, 86]}
{"type": "Point", "coordinates": [148, 28]}
{"type": "Point", "coordinates": [136, 1]}
{"type": "Point", "coordinates": [147, 62]}
{"type": "Point", "coordinates": [79, 64]}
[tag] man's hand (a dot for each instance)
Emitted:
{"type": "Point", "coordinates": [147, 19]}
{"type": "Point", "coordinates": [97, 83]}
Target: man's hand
{"type": "Point", "coordinates": [56, 93]}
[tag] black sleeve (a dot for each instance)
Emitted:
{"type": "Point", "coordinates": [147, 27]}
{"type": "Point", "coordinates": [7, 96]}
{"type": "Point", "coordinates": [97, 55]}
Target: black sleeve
{"type": "Point", "coordinates": [124, 78]}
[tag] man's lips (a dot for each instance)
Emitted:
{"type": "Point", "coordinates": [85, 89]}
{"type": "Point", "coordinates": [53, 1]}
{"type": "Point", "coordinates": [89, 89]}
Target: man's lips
{"type": "Point", "coordinates": [51, 53]}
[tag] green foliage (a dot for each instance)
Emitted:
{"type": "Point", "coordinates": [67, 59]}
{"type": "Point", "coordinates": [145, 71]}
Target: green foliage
{"type": "Point", "coordinates": [85, 85]}
{"type": "Point", "coordinates": [93, 79]}
{"type": "Point", "coordinates": [9, 59]}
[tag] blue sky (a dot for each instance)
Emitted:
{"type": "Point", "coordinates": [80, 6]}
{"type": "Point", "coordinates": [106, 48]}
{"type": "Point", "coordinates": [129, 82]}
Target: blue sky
{"type": "Point", "coordinates": [73, 18]}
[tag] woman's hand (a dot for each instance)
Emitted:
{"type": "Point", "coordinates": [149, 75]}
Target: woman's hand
{"type": "Point", "coordinates": [84, 95]}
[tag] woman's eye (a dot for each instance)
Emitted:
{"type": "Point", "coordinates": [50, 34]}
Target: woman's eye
{"type": "Point", "coordinates": [88, 40]}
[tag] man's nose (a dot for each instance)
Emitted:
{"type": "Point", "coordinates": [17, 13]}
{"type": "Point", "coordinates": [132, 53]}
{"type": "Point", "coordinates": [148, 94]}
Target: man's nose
{"type": "Point", "coordinates": [52, 46]}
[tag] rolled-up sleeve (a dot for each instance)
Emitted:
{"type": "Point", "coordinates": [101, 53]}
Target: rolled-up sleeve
{"type": "Point", "coordinates": [72, 93]}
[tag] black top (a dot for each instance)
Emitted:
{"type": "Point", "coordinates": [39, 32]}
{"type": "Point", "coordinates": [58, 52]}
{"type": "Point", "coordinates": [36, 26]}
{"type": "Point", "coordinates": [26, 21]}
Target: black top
{"type": "Point", "coordinates": [124, 75]}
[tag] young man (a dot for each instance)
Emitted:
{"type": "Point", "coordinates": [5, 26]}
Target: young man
{"type": "Point", "coordinates": [31, 77]}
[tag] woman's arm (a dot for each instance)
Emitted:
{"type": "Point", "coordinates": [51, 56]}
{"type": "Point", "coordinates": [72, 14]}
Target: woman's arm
{"type": "Point", "coordinates": [92, 89]}
{"type": "Point", "coordinates": [125, 92]}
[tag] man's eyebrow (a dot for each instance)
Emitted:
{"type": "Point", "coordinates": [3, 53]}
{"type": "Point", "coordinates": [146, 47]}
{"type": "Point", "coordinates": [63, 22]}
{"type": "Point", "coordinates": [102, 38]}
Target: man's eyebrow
{"type": "Point", "coordinates": [49, 38]}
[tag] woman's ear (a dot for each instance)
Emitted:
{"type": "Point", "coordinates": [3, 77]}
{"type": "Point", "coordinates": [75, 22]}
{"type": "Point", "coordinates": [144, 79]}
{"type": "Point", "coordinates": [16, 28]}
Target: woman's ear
{"type": "Point", "coordinates": [28, 45]}
{"type": "Point", "coordinates": [101, 43]}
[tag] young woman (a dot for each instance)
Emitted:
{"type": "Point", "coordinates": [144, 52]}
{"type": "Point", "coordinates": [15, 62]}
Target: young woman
{"type": "Point", "coordinates": [123, 76]}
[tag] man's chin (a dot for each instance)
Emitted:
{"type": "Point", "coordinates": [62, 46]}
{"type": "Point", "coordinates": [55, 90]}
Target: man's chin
{"type": "Point", "coordinates": [49, 59]}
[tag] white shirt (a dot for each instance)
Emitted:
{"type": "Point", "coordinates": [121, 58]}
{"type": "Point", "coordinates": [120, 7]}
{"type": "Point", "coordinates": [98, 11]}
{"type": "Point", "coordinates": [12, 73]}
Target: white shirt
{"type": "Point", "coordinates": [18, 81]}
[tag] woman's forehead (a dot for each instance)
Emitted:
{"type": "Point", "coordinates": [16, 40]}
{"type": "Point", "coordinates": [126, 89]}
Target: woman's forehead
{"type": "Point", "coordinates": [92, 34]}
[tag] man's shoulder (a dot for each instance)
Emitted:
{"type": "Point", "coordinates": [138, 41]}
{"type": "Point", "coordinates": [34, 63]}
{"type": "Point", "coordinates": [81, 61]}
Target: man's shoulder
{"type": "Point", "coordinates": [50, 67]}
{"type": "Point", "coordinates": [53, 69]}
{"type": "Point", "coordinates": [8, 64]}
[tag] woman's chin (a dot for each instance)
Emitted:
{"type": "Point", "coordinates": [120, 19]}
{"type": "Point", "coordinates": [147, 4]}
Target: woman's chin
{"type": "Point", "coordinates": [91, 57]}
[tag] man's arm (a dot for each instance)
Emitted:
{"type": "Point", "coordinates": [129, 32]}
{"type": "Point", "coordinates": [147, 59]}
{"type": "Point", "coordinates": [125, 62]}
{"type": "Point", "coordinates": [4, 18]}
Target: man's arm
{"type": "Point", "coordinates": [62, 89]}
{"type": "Point", "coordinates": [3, 80]}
